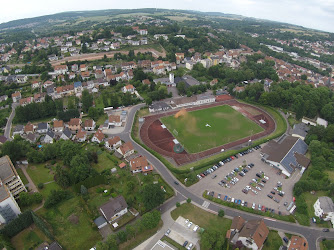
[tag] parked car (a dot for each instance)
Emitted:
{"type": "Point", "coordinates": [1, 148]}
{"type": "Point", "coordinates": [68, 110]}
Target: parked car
{"type": "Point", "coordinates": [246, 203]}
{"type": "Point", "coordinates": [253, 206]}
{"type": "Point", "coordinates": [286, 240]}
{"type": "Point", "coordinates": [186, 222]}
{"type": "Point", "coordinates": [185, 243]}
{"type": "Point", "coordinates": [325, 230]}
{"type": "Point", "coordinates": [176, 183]}
{"type": "Point", "coordinates": [189, 225]}
{"type": "Point", "coordinates": [314, 220]}
{"type": "Point", "coordinates": [232, 200]}
{"type": "Point", "coordinates": [225, 198]}
{"type": "Point", "coordinates": [190, 246]}
{"type": "Point", "coordinates": [195, 228]}
{"type": "Point", "coordinates": [258, 188]}
{"type": "Point", "coordinates": [264, 181]}
{"type": "Point", "coordinates": [270, 196]}
{"type": "Point", "coordinates": [214, 176]}
{"type": "Point", "coordinates": [167, 232]}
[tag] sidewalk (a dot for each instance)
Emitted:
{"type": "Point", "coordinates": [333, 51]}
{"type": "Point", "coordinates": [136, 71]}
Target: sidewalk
{"type": "Point", "coordinates": [32, 185]}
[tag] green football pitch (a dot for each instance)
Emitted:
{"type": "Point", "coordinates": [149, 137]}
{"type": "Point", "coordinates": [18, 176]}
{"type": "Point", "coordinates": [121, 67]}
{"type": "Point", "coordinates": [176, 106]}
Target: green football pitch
{"type": "Point", "coordinates": [209, 128]}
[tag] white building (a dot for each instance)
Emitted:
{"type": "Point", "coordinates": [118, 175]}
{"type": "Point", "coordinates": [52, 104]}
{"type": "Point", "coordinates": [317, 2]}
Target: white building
{"type": "Point", "coordinates": [113, 143]}
{"type": "Point", "coordinates": [324, 209]}
{"type": "Point", "coordinates": [9, 209]}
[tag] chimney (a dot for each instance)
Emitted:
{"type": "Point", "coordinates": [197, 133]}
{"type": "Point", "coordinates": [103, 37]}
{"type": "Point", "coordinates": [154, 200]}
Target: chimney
{"type": "Point", "coordinates": [171, 77]}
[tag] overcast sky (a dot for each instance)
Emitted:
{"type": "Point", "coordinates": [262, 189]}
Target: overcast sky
{"type": "Point", "coordinates": [317, 14]}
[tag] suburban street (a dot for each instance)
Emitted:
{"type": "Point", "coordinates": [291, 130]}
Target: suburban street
{"type": "Point", "coordinates": [313, 235]}
{"type": "Point", "coordinates": [9, 121]}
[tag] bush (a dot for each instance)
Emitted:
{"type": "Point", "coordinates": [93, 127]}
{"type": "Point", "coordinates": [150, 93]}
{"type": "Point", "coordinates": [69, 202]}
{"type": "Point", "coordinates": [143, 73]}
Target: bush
{"type": "Point", "coordinates": [55, 197]}
{"type": "Point", "coordinates": [90, 182]}
{"type": "Point", "coordinates": [178, 204]}
{"type": "Point", "coordinates": [221, 213]}
{"type": "Point", "coordinates": [188, 200]}
{"type": "Point", "coordinates": [40, 185]}
{"type": "Point", "coordinates": [27, 199]}
{"type": "Point", "coordinates": [53, 162]}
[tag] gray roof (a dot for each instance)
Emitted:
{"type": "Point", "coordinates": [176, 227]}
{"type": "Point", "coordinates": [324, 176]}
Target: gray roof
{"type": "Point", "coordinates": [113, 207]}
{"type": "Point", "coordinates": [326, 204]}
{"type": "Point", "coordinates": [284, 151]}
{"type": "Point", "coordinates": [3, 193]}
{"type": "Point", "coordinates": [50, 133]}
{"type": "Point", "coordinates": [159, 105]}
{"type": "Point", "coordinates": [31, 137]}
{"type": "Point", "coordinates": [100, 221]}
{"type": "Point", "coordinates": [290, 159]}
{"type": "Point", "coordinates": [67, 132]}
{"type": "Point", "coordinates": [300, 129]}
{"type": "Point", "coordinates": [50, 89]}
{"type": "Point", "coordinates": [42, 125]}
{"type": "Point", "coordinates": [6, 168]}
{"type": "Point", "coordinates": [18, 128]}
{"type": "Point", "coordinates": [189, 80]}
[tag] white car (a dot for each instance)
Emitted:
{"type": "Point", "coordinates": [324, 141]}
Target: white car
{"type": "Point", "coordinates": [258, 188]}
{"type": "Point", "coordinates": [186, 222]}
{"type": "Point", "coordinates": [189, 225]}
{"type": "Point", "coordinates": [195, 228]}
{"type": "Point", "coordinates": [221, 163]}
{"type": "Point", "coordinates": [267, 178]}
{"type": "Point", "coordinates": [248, 187]}
{"type": "Point", "coordinates": [232, 200]}
{"type": "Point", "coordinates": [253, 206]}
{"type": "Point", "coordinates": [254, 191]}
{"type": "Point", "coordinates": [259, 207]}
{"type": "Point", "coordinates": [190, 246]}
{"type": "Point", "coordinates": [242, 203]}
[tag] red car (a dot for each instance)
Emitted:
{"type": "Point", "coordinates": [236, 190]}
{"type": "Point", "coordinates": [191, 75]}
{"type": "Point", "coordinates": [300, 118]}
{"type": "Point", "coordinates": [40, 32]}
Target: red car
{"type": "Point", "coordinates": [232, 157]}
{"type": "Point", "coordinates": [263, 208]}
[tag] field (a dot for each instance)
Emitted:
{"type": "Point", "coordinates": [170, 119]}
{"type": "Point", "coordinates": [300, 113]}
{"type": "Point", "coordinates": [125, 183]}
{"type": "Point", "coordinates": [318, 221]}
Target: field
{"type": "Point", "coordinates": [208, 128]}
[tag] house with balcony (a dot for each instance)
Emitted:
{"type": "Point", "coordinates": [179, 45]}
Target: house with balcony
{"type": "Point", "coordinates": [324, 209]}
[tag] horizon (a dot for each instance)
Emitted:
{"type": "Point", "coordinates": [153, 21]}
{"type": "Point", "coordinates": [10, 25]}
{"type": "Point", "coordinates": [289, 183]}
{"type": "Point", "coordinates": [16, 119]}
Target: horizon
{"type": "Point", "coordinates": [308, 14]}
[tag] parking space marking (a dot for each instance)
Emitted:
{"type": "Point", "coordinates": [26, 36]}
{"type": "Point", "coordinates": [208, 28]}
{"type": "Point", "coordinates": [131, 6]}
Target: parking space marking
{"type": "Point", "coordinates": [206, 204]}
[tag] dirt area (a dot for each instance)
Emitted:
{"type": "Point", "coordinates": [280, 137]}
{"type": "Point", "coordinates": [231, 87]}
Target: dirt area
{"type": "Point", "coordinates": [97, 56]}
{"type": "Point", "coordinates": [74, 219]}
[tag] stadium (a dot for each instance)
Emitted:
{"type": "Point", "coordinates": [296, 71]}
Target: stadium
{"type": "Point", "coordinates": [187, 135]}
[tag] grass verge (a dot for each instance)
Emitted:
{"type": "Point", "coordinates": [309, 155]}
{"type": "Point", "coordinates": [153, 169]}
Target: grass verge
{"type": "Point", "coordinates": [273, 241]}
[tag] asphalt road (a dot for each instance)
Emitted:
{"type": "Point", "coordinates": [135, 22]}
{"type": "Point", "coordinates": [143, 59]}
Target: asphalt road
{"type": "Point", "coordinates": [311, 234]}
{"type": "Point", "coordinates": [9, 121]}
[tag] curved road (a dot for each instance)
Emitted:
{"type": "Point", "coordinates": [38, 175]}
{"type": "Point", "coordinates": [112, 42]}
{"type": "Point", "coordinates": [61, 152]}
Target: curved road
{"type": "Point", "coordinates": [311, 234]}
{"type": "Point", "coordinates": [9, 121]}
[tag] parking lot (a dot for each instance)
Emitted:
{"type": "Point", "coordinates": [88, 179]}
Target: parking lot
{"type": "Point", "coordinates": [251, 181]}
{"type": "Point", "coordinates": [183, 230]}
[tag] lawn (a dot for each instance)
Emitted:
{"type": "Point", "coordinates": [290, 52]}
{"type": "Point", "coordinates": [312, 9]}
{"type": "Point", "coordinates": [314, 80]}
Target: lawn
{"type": "Point", "coordinates": [274, 241]}
{"type": "Point", "coordinates": [327, 244]}
{"type": "Point", "coordinates": [208, 128]}
{"type": "Point", "coordinates": [201, 217]}
{"type": "Point", "coordinates": [22, 176]}
{"type": "Point", "coordinates": [29, 238]}
{"type": "Point", "coordinates": [104, 161]}
{"type": "Point", "coordinates": [39, 173]}
{"type": "Point", "coordinates": [72, 224]}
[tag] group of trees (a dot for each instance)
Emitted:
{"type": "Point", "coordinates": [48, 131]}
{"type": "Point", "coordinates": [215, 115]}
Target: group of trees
{"type": "Point", "coordinates": [302, 99]}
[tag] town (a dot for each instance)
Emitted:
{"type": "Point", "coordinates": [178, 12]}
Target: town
{"type": "Point", "coordinates": [164, 131]}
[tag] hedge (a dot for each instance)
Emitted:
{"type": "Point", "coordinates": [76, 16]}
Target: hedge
{"type": "Point", "coordinates": [22, 222]}
{"type": "Point", "coordinates": [90, 182]}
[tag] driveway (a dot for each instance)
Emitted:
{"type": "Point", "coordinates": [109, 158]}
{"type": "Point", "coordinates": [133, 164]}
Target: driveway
{"type": "Point", "coordinates": [180, 232]}
{"type": "Point", "coordinates": [235, 191]}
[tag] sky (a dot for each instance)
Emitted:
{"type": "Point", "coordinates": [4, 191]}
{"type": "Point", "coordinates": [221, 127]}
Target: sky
{"type": "Point", "coordinates": [316, 14]}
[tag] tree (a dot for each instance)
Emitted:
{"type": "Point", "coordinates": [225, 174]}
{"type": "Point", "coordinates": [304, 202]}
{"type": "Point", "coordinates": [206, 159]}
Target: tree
{"type": "Point", "coordinates": [181, 88]}
{"type": "Point", "coordinates": [178, 204]}
{"type": "Point", "coordinates": [212, 239]}
{"type": "Point", "coordinates": [188, 200]}
{"type": "Point", "coordinates": [109, 244]}
{"type": "Point", "coordinates": [152, 196]}
{"type": "Point", "coordinates": [94, 113]}
{"type": "Point", "coordinates": [221, 213]}
{"type": "Point", "coordinates": [87, 100]}
{"type": "Point", "coordinates": [151, 219]}
{"type": "Point", "coordinates": [62, 177]}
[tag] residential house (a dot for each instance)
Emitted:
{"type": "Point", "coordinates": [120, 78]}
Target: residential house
{"type": "Point", "coordinates": [324, 209]}
{"type": "Point", "coordinates": [85, 75]}
{"type": "Point", "coordinates": [128, 89]}
{"type": "Point", "coordinates": [66, 134]}
{"type": "Point", "coordinates": [60, 69]}
{"type": "Point", "coordinates": [250, 234]}
{"type": "Point", "coordinates": [83, 67]}
{"type": "Point", "coordinates": [39, 97]}
{"type": "Point", "coordinates": [114, 209]}
{"type": "Point", "coordinates": [21, 79]}
{"type": "Point", "coordinates": [42, 127]}
{"type": "Point", "coordinates": [74, 67]}
{"type": "Point", "coordinates": [114, 121]}
{"type": "Point", "coordinates": [74, 124]}
{"type": "Point", "coordinates": [10, 178]}
{"type": "Point", "coordinates": [35, 84]}
{"type": "Point", "coordinates": [26, 101]}
{"type": "Point", "coordinates": [81, 136]}
{"type": "Point", "coordinates": [98, 137]}
{"type": "Point", "coordinates": [140, 164]}
{"type": "Point", "coordinates": [18, 130]}
{"type": "Point", "coordinates": [77, 86]}
{"type": "Point", "coordinates": [58, 126]}
{"type": "Point", "coordinates": [113, 143]}
{"type": "Point", "coordinates": [297, 243]}
{"type": "Point", "coordinates": [16, 96]}
{"type": "Point", "coordinates": [300, 130]}
{"type": "Point", "coordinates": [29, 128]}
{"type": "Point", "coordinates": [89, 125]}
{"type": "Point", "coordinates": [49, 136]}
{"type": "Point", "coordinates": [126, 149]}
{"type": "Point", "coordinates": [146, 82]}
